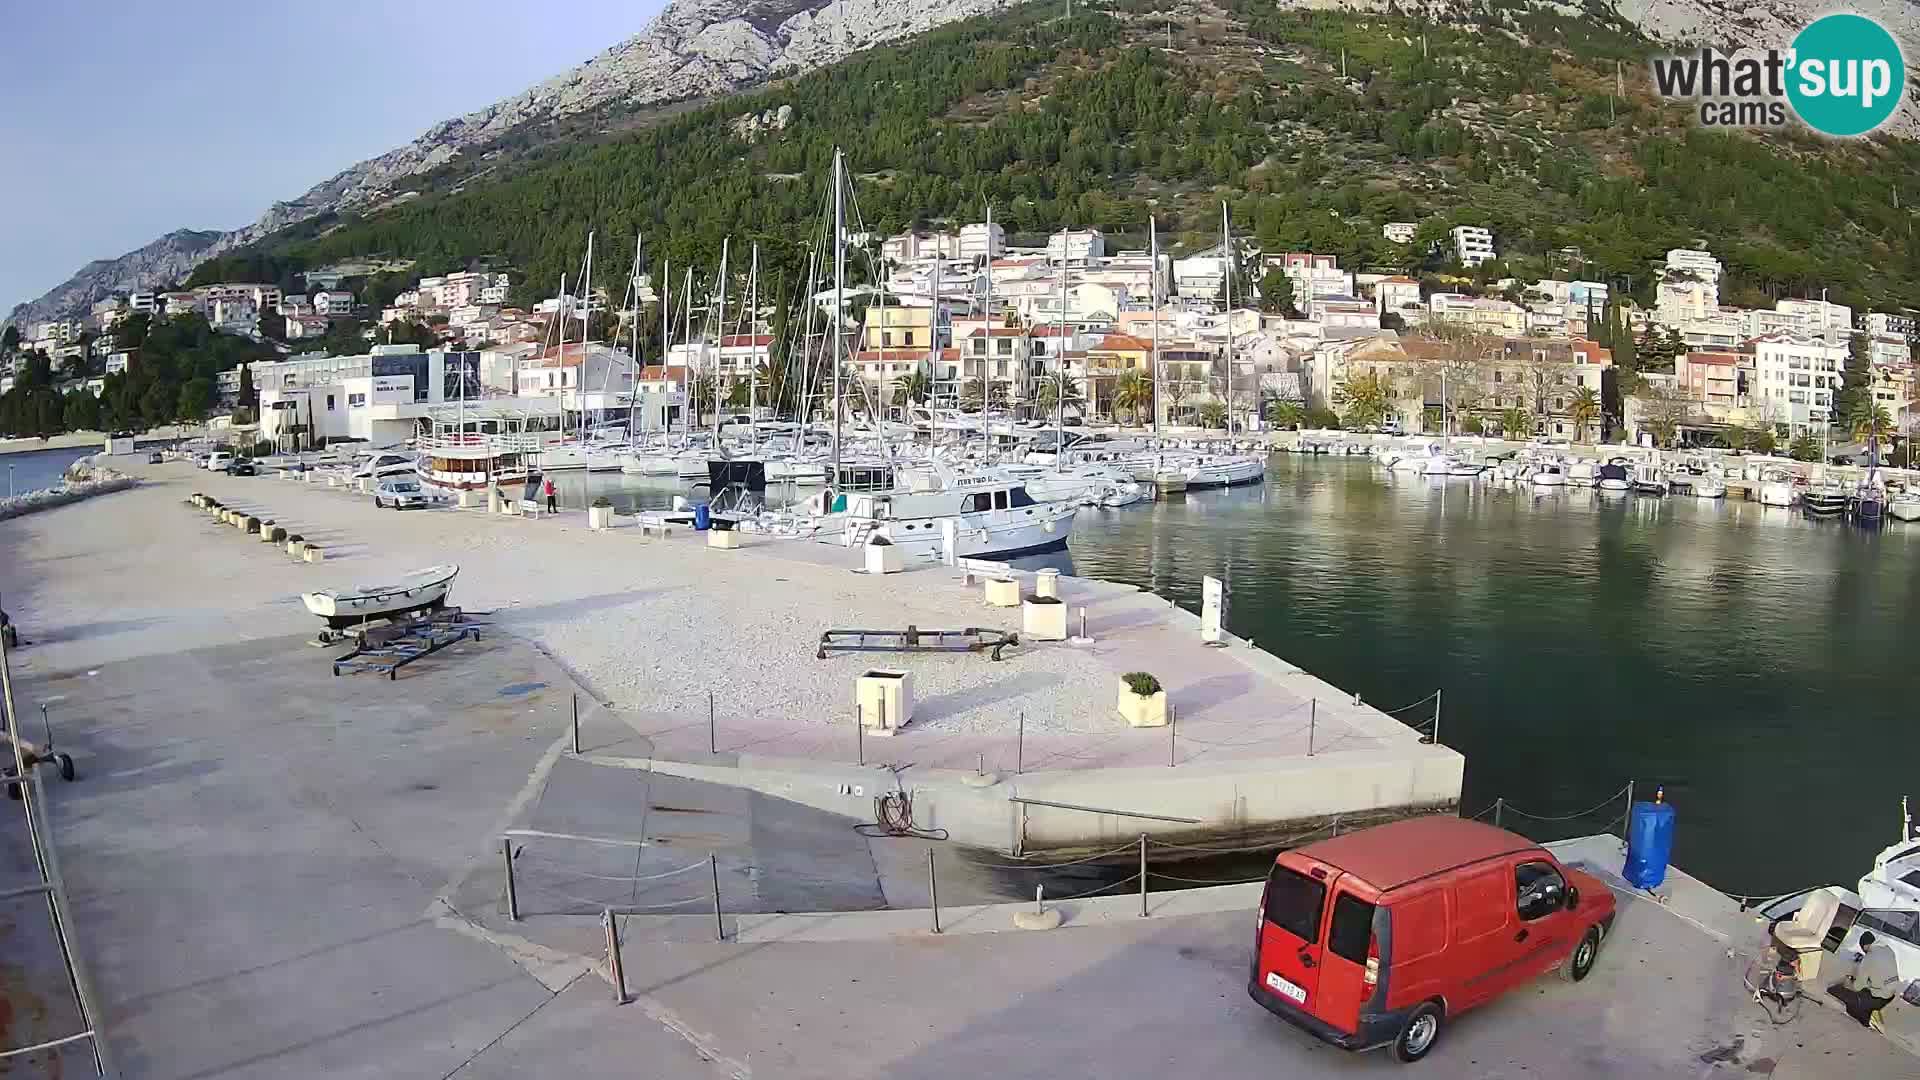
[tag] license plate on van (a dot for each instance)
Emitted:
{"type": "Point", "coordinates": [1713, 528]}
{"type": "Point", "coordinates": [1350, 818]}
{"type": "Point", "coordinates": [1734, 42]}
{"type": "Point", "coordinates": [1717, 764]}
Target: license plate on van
{"type": "Point", "coordinates": [1286, 989]}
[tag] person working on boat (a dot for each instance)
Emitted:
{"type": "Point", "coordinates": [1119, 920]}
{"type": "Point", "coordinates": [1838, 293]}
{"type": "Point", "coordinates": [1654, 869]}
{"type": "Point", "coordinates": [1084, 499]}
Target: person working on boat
{"type": "Point", "coordinates": [548, 488]}
{"type": "Point", "coordinates": [1872, 985]}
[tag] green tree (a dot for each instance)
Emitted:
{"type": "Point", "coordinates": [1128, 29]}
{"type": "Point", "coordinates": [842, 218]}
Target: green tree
{"type": "Point", "coordinates": [196, 397]}
{"type": "Point", "coordinates": [1365, 400]}
{"type": "Point", "coordinates": [1051, 389]}
{"type": "Point", "coordinates": [1738, 437]}
{"type": "Point", "coordinates": [1133, 394]}
{"type": "Point", "coordinates": [1212, 414]}
{"type": "Point", "coordinates": [82, 411]}
{"type": "Point", "coordinates": [1765, 441]}
{"type": "Point", "coordinates": [1869, 420]}
{"type": "Point", "coordinates": [9, 339]}
{"type": "Point", "coordinates": [1516, 423]}
{"type": "Point", "coordinates": [1286, 414]}
{"type": "Point", "coordinates": [1854, 380]}
{"type": "Point", "coordinates": [1584, 410]}
{"type": "Point", "coordinates": [1804, 447]}
{"type": "Point", "coordinates": [273, 325]}
{"type": "Point", "coordinates": [914, 388]}
{"type": "Point", "coordinates": [1321, 419]}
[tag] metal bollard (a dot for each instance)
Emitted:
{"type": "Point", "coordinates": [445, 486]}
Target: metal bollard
{"type": "Point", "coordinates": [933, 893]}
{"type": "Point", "coordinates": [860, 735]}
{"type": "Point", "coordinates": [1143, 875]}
{"type": "Point", "coordinates": [513, 899]}
{"type": "Point", "coordinates": [614, 967]}
{"type": "Point", "coordinates": [1313, 719]}
{"type": "Point", "coordinates": [713, 867]}
{"type": "Point", "coordinates": [576, 725]}
{"type": "Point", "coordinates": [1173, 731]}
{"type": "Point", "coordinates": [48, 724]}
{"type": "Point", "coordinates": [1020, 744]}
{"type": "Point", "coordinates": [1436, 718]}
{"type": "Point", "coordinates": [1039, 899]}
{"type": "Point", "coordinates": [1498, 805]}
{"type": "Point", "coordinates": [713, 744]}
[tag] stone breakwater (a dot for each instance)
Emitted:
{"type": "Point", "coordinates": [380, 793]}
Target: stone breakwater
{"type": "Point", "coordinates": [84, 479]}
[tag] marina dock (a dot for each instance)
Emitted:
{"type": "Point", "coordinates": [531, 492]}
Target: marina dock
{"type": "Point", "coordinates": [330, 850]}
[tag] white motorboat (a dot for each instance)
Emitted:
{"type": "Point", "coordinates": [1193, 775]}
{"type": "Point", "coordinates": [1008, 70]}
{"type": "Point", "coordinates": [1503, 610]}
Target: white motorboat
{"type": "Point", "coordinates": [1650, 479]}
{"type": "Point", "coordinates": [1548, 475]}
{"type": "Point", "coordinates": [385, 463]}
{"type": "Point", "coordinates": [1583, 473]}
{"type": "Point", "coordinates": [1460, 466]}
{"type": "Point", "coordinates": [1233, 470]}
{"type": "Point", "coordinates": [1613, 476]}
{"type": "Point", "coordinates": [1823, 926]}
{"type": "Point", "coordinates": [795, 470]}
{"type": "Point", "coordinates": [989, 519]}
{"type": "Point", "coordinates": [1709, 486]}
{"type": "Point", "coordinates": [421, 590]}
{"type": "Point", "coordinates": [1776, 488]}
{"type": "Point", "coordinates": [1904, 506]}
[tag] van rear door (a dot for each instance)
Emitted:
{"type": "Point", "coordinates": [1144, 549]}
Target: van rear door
{"type": "Point", "coordinates": [1344, 985]}
{"type": "Point", "coordinates": [1290, 924]}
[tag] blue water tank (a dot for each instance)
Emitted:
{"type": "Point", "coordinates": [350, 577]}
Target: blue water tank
{"type": "Point", "coordinates": [702, 517]}
{"type": "Point", "coordinates": [1649, 842]}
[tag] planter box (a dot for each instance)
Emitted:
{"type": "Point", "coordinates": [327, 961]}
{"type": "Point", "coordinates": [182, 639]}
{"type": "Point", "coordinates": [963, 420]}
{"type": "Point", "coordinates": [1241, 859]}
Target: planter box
{"type": "Point", "coordinates": [275, 535]}
{"type": "Point", "coordinates": [1002, 593]}
{"type": "Point", "coordinates": [1043, 618]}
{"type": "Point", "coordinates": [885, 699]}
{"type": "Point", "coordinates": [313, 553]}
{"type": "Point", "coordinates": [599, 517]}
{"type": "Point", "coordinates": [884, 559]}
{"type": "Point", "coordinates": [1138, 711]}
{"type": "Point", "coordinates": [724, 539]}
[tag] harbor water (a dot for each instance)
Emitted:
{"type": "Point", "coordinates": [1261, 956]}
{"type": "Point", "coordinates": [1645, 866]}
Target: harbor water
{"type": "Point", "coordinates": [31, 470]}
{"type": "Point", "coordinates": [1757, 663]}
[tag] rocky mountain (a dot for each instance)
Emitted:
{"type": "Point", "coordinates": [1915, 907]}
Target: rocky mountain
{"type": "Point", "coordinates": [160, 263]}
{"type": "Point", "coordinates": [704, 48]}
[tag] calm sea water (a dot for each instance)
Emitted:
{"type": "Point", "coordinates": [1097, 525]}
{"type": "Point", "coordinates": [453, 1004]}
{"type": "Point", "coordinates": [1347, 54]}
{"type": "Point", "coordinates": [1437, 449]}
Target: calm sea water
{"type": "Point", "coordinates": [1759, 665]}
{"type": "Point", "coordinates": [34, 469]}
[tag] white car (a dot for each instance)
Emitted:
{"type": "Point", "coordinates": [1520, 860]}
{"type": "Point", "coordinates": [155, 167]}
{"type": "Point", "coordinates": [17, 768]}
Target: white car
{"type": "Point", "coordinates": [218, 461]}
{"type": "Point", "coordinates": [401, 493]}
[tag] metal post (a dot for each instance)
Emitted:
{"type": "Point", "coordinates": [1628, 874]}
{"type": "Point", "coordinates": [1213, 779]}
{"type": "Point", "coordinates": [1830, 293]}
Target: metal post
{"type": "Point", "coordinates": [1039, 899]}
{"type": "Point", "coordinates": [48, 724]}
{"type": "Point", "coordinates": [713, 746]}
{"type": "Point", "coordinates": [1498, 803]}
{"type": "Point", "coordinates": [1143, 875]}
{"type": "Point", "coordinates": [1173, 732]}
{"type": "Point", "coordinates": [576, 725]}
{"type": "Point", "coordinates": [1020, 745]}
{"type": "Point", "coordinates": [1313, 718]}
{"type": "Point", "coordinates": [513, 898]}
{"type": "Point", "coordinates": [1628, 820]}
{"type": "Point", "coordinates": [614, 967]}
{"type": "Point", "coordinates": [713, 868]}
{"type": "Point", "coordinates": [933, 892]}
{"type": "Point", "coordinates": [860, 735]}
{"type": "Point", "coordinates": [1436, 718]}
{"type": "Point", "coordinates": [1083, 623]}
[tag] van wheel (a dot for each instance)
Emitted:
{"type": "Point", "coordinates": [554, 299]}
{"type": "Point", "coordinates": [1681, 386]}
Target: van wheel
{"type": "Point", "coordinates": [1580, 961]}
{"type": "Point", "coordinates": [1419, 1033]}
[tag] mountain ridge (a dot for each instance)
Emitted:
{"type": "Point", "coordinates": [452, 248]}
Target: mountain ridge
{"type": "Point", "coordinates": [701, 49]}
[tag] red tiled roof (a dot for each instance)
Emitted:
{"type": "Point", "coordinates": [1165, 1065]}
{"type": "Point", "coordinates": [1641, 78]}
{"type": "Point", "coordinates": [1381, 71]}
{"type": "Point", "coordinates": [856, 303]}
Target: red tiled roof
{"type": "Point", "coordinates": [884, 355]}
{"type": "Point", "coordinates": [1128, 342]}
{"type": "Point", "coordinates": [1719, 359]}
{"type": "Point", "coordinates": [734, 341]}
{"type": "Point", "coordinates": [1053, 330]}
{"type": "Point", "coordinates": [998, 331]}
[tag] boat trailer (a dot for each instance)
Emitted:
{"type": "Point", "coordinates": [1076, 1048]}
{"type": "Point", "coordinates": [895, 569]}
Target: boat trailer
{"type": "Point", "coordinates": [973, 639]}
{"type": "Point", "coordinates": [386, 649]}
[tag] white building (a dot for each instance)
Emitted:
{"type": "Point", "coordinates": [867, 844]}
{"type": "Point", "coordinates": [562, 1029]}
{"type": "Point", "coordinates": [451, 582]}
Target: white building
{"type": "Point", "coordinates": [1818, 315]}
{"type": "Point", "coordinates": [1076, 245]}
{"type": "Point", "coordinates": [1883, 349]}
{"type": "Point", "coordinates": [233, 314]}
{"type": "Point", "coordinates": [1695, 263]}
{"type": "Point", "coordinates": [981, 240]}
{"type": "Point", "coordinates": [144, 300]}
{"type": "Point", "coordinates": [1796, 378]}
{"type": "Point", "coordinates": [1885, 324]}
{"type": "Point", "coordinates": [1314, 277]}
{"type": "Point", "coordinates": [1472, 245]}
{"type": "Point", "coordinates": [333, 303]}
{"type": "Point", "coordinates": [1398, 232]}
{"type": "Point", "coordinates": [1344, 313]}
{"type": "Point", "coordinates": [1399, 295]}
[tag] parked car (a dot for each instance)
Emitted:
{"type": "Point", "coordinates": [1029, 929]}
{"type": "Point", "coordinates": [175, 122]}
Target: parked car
{"type": "Point", "coordinates": [242, 466]}
{"type": "Point", "coordinates": [155, 457]}
{"type": "Point", "coordinates": [401, 493]}
{"type": "Point", "coordinates": [218, 461]}
{"type": "Point", "coordinates": [1383, 936]}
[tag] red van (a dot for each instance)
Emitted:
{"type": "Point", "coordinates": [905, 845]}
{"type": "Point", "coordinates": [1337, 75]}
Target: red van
{"type": "Point", "coordinates": [1382, 936]}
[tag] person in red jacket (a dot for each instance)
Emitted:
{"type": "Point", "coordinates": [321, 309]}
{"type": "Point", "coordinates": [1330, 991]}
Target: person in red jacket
{"type": "Point", "coordinates": [548, 487]}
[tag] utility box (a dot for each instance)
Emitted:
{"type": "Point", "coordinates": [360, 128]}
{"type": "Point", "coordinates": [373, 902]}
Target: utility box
{"type": "Point", "coordinates": [885, 700]}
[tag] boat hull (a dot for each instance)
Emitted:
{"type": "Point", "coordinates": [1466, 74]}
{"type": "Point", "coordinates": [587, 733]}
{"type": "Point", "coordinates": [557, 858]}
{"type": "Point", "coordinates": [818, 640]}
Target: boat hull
{"type": "Point", "coordinates": [1000, 540]}
{"type": "Point", "coordinates": [340, 611]}
{"type": "Point", "coordinates": [1823, 506]}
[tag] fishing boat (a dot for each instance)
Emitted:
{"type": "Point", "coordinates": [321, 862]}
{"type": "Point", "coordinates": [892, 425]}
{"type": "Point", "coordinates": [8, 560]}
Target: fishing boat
{"type": "Point", "coordinates": [421, 590]}
{"type": "Point", "coordinates": [1825, 500]}
{"type": "Point", "coordinates": [1777, 488]}
{"type": "Point", "coordinates": [1225, 471]}
{"type": "Point", "coordinates": [1548, 475]}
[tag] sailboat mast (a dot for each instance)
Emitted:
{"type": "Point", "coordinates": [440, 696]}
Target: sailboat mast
{"type": "Point", "coordinates": [839, 309]}
{"type": "Point", "coordinates": [1226, 252]}
{"type": "Point", "coordinates": [633, 293]}
{"type": "Point", "coordinates": [686, 339]}
{"type": "Point", "coordinates": [720, 335]}
{"type": "Point", "coordinates": [561, 315]}
{"type": "Point", "coordinates": [666, 321]}
{"type": "Point", "coordinates": [1060, 366]}
{"type": "Point", "coordinates": [580, 382]}
{"type": "Point", "coordinates": [1153, 290]}
{"type": "Point", "coordinates": [753, 349]}
{"type": "Point", "coordinates": [933, 347]}
{"type": "Point", "coordinates": [986, 385]}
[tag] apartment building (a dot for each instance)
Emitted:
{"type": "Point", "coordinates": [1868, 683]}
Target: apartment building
{"type": "Point", "coordinates": [1472, 245]}
{"type": "Point", "coordinates": [1796, 378]}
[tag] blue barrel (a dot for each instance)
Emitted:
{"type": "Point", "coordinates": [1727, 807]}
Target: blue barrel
{"type": "Point", "coordinates": [1649, 842]}
{"type": "Point", "coordinates": [702, 518]}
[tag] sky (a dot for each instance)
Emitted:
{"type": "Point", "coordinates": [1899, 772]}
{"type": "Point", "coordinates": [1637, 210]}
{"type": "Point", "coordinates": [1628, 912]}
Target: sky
{"type": "Point", "coordinates": [120, 122]}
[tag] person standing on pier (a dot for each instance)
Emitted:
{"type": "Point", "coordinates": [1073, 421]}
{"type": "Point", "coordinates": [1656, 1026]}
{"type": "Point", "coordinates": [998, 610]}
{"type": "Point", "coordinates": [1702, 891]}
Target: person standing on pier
{"type": "Point", "coordinates": [548, 488]}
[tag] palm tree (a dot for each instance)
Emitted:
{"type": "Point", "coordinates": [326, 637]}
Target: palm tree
{"type": "Point", "coordinates": [1051, 389]}
{"type": "Point", "coordinates": [1515, 423]}
{"type": "Point", "coordinates": [1869, 420]}
{"type": "Point", "coordinates": [973, 395]}
{"type": "Point", "coordinates": [1286, 413]}
{"type": "Point", "coordinates": [1132, 392]}
{"type": "Point", "coordinates": [1213, 414]}
{"type": "Point", "coordinates": [739, 392]}
{"type": "Point", "coordinates": [1804, 447]}
{"type": "Point", "coordinates": [915, 387]}
{"type": "Point", "coordinates": [1585, 410]}
{"type": "Point", "coordinates": [1766, 440]}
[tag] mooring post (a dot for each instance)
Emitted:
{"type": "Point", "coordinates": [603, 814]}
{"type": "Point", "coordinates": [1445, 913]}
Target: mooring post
{"type": "Point", "coordinates": [576, 725]}
{"type": "Point", "coordinates": [614, 967]}
{"type": "Point", "coordinates": [1313, 719]}
{"type": "Point", "coordinates": [1039, 899]}
{"type": "Point", "coordinates": [1143, 875]}
{"type": "Point", "coordinates": [47, 723]}
{"type": "Point", "coordinates": [713, 867]}
{"type": "Point", "coordinates": [1498, 804]}
{"type": "Point", "coordinates": [1020, 744]}
{"type": "Point", "coordinates": [1436, 718]}
{"type": "Point", "coordinates": [1629, 818]}
{"type": "Point", "coordinates": [933, 892]}
{"type": "Point", "coordinates": [513, 899]}
{"type": "Point", "coordinates": [1173, 731]}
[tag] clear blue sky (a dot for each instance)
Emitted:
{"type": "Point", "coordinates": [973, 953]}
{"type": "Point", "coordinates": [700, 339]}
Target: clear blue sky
{"type": "Point", "coordinates": [120, 122]}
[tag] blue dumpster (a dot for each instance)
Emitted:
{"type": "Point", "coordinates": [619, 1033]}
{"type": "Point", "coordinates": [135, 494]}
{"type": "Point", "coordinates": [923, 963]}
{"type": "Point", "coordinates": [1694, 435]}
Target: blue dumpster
{"type": "Point", "coordinates": [702, 518]}
{"type": "Point", "coordinates": [1649, 841]}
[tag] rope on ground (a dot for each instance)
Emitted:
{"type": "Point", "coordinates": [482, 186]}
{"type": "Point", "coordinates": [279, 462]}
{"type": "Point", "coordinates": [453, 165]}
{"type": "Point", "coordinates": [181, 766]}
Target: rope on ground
{"type": "Point", "coordinates": [600, 905]}
{"type": "Point", "coordinates": [893, 813]}
{"type": "Point", "coordinates": [1056, 865]}
{"type": "Point", "coordinates": [1101, 889]}
{"type": "Point", "coordinates": [1602, 805]}
{"type": "Point", "coordinates": [1749, 901]}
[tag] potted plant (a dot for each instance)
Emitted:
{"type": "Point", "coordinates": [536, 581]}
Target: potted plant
{"type": "Point", "coordinates": [600, 514]}
{"type": "Point", "coordinates": [1143, 702]}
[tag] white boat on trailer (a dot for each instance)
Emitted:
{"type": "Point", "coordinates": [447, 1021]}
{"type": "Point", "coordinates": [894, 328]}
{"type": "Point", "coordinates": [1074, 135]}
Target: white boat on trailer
{"type": "Point", "coordinates": [421, 590]}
